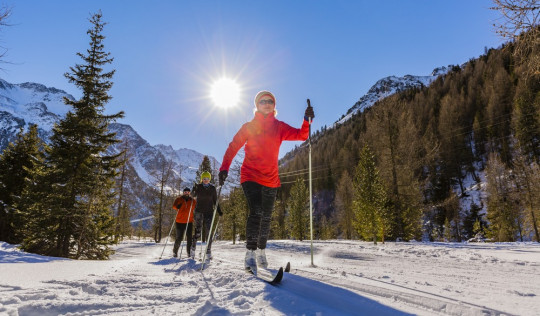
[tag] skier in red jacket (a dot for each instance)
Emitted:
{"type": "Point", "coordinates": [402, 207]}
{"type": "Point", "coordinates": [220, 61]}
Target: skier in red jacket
{"type": "Point", "coordinates": [259, 176]}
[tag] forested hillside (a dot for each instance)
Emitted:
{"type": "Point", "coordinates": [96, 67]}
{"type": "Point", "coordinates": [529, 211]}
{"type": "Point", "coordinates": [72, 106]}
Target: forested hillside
{"type": "Point", "coordinates": [478, 124]}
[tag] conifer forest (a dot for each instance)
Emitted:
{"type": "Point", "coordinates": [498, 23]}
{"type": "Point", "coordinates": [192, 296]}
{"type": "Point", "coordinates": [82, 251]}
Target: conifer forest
{"type": "Point", "coordinates": [456, 160]}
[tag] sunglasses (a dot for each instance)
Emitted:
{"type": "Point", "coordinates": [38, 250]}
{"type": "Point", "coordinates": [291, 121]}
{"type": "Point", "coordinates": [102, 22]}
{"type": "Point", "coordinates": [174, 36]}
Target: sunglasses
{"type": "Point", "coordinates": [266, 102]}
{"type": "Point", "coordinates": [206, 178]}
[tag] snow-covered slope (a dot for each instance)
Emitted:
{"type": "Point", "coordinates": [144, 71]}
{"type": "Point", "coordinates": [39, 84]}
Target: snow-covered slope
{"type": "Point", "coordinates": [349, 278]}
{"type": "Point", "coordinates": [33, 103]}
{"type": "Point", "coordinates": [388, 86]}
{"type": "Point", "coordinates": [188, 161]}
{"type": "Point", "coordinates": [25, 103]}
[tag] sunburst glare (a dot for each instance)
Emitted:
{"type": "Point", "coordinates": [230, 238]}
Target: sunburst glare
{"type": "Point", "coordinates": [225, 93]}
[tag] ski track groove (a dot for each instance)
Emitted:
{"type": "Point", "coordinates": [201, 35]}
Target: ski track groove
{"type": "Point", "coordinates": [435, 303]}
{"type": "Point", "coordinates": [450, 306]}
{"type": "Point", "coordinates": [294, 286]}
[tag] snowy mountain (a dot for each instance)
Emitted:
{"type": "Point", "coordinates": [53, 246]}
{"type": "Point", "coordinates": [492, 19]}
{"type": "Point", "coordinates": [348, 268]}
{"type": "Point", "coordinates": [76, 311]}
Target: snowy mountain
{"type": "Point", "coordinates": [188, 161]}
{"type": "Point", "coordinates": [387, 86]}
{"type": "Point", "coordinates": [33, 103]}
{"type": "Point", "coordinates": [21, 104]}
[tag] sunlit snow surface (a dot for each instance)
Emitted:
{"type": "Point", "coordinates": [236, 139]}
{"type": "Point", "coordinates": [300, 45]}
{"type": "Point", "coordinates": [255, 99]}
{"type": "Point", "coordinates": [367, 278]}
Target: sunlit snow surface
{"type": "Point", "coordinates": [349, 278]}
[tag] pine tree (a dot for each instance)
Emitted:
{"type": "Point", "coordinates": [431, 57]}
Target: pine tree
{"type": "Point", "coordinates": [161, 179]}
{"type": "Point", "coordinates": [519, 22]}
{"type": "Point", "coordinates": [498, 111]}
{"type": "Point", "coordinates": [205, 166]}
{"type": "Point", "coordinates": [80, 173]}
{"type": "Point", "coordinates": [448, 235]}
{"type": "Point", "coordinates": [526, 122]}
{"type": "Point", "coordinates": [526, 179]}
{"type": "Point", "coordinates": [123, 225]}
{"type": "Point", "coordinates": [235, 215]}
{"type": "Point", "coordinates": [16, 164]}
{"type": "Point", "coordinates": [472, 218]}
{"type": "Point", "coordinates": [298, 219]}
{"type": "Point", "coordinates": [369, 198]}
{"type": "Point", "coordinates": [278, 227]}
{"type": "Point", "coordinates": [36, 207]}
{"type": "Point", "coordinates": [344, 204]}
{"type": "Point", "coordinates": [501, 214]}
{"type": "Point", "coordinates": [327, 228]}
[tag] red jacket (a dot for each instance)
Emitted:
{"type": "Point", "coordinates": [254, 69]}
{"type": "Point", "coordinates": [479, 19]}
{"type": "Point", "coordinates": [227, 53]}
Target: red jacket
{"type": "Point", "coordinates": [263, 137]}
{"type": "Point", "coordinates": [183, 206]}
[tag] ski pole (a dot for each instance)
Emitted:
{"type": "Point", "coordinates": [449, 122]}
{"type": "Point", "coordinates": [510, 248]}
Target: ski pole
{"type": "Point", "coordinates": [167, 240]}
{"type": "Point", "coordinates": [210, 230]}
{"type": "Point", "coordinates": [215, 230]}
{"type": "Point", "coordinates": [185, 230]}
{"type": "Point", "coordinates": [202, 240]}
{"type": "Point", "coordinates": [310, 188]}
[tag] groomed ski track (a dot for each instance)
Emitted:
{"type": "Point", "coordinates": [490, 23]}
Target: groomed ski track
{"type": "Point", "coordinates": [308, 283]}
{"type": "Point", "coordinates": [350, 278]}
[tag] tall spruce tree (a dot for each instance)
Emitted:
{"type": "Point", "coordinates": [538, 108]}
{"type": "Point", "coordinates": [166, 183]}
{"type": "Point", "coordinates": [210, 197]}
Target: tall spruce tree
{"type": "Point", "coordinates": [234, 215]}
{"type": "Point", "coordinates": [16, 164]}
{"type": "Point", "coordinates": [344, 205]}
{"type": "Point", "coordinates": [369, 198]}
{"type": "Point", "coordinates": [526, 179]}
{"type": "Point", "coordinates": [278, 227]}
{"type": "Point", "coordinates": [123, 225]}
{"type": "Point", "coordinates": [80, 173]}
{"type": "Point", "coordinates": [161, 178]}
{"type": "Point", "coordinates": [501, 213]}
{"type": "Point", "coordinates": [526, 121]}
{"type": "Point", "coordinates": [298, 219]}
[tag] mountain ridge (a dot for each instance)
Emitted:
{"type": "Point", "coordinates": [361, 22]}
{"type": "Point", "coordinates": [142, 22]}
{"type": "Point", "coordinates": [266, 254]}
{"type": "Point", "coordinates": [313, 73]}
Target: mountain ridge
{"type": "Point", "coordinates": [388, 86]}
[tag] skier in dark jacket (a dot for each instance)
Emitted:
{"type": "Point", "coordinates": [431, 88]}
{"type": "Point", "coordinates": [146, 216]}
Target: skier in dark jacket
{"type": "Point", "coordinates": [206, 196]}
{"type": "Point", "coordinates": [259, 176]}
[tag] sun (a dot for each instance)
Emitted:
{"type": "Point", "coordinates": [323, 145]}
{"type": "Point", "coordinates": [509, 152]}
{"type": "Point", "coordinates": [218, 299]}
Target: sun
{"type": "Point", "coordinates": [225, 93]}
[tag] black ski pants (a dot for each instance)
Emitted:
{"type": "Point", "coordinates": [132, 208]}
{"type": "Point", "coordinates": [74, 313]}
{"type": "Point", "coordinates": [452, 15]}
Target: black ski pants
{"type": "Point", "coordinates": [200, 220]}
{"type": "Point", "coordinates": [260, 200]}
{"type": "Point", "coordinates": [180, 229]}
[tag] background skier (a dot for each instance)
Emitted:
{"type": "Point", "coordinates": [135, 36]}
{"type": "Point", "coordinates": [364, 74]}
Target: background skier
{"type": "Point", "coordinates": [259, 173]}
{"type": "Point", "coordinates": [206, 196]}
{"type": "Point", "coordinates": [185, 207]}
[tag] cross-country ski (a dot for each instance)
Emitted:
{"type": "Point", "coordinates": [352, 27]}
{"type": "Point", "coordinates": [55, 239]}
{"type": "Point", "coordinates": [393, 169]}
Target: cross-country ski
{"type": "Point", "coordinates": [272, 277]}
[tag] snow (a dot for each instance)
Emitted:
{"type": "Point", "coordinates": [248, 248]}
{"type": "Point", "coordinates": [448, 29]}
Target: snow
{"type": "Point", "coordinates": [388, 86]}
{"type": "Point", "coordinates": [33, 102]}
{"type": "Point", "coordinates": [189, 161]}
{"type": "Point", "coordinates": [349, 278]}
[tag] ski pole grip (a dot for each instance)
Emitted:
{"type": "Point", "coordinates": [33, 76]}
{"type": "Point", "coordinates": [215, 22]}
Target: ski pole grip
{"type": "Point", "coordinates": [308, 103]}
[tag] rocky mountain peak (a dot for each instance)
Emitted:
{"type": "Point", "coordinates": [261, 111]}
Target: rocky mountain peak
{"type": "Point", "coordinates": [388, 86]}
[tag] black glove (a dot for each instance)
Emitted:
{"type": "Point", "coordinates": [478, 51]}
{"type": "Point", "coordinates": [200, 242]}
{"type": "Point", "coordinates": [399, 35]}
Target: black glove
{"type": "Point", "coordinates": [222, 176]}
{"type": "Point", "coordinates": [219, 211]}
{"type": "Point", "coordinates": [309, 113]}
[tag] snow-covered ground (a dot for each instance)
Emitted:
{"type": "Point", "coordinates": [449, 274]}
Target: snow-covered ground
{"type": "Point", "coordinates": [349, 278]}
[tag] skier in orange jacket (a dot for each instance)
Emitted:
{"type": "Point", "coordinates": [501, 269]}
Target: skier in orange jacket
{"type": "Point", "coordinates": [185, 206]}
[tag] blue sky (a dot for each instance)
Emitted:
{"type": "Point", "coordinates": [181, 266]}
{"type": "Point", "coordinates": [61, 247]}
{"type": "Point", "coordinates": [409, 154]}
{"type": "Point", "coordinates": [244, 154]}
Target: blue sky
{"type": "Point", "coordinates": [167, 54]}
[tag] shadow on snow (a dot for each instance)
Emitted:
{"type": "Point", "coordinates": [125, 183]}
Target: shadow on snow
{"type": "Point", "coordinates": [300, 295]}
